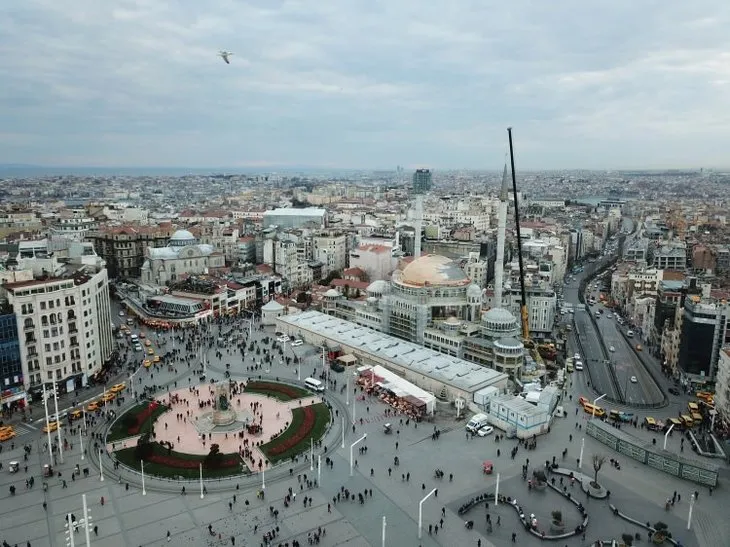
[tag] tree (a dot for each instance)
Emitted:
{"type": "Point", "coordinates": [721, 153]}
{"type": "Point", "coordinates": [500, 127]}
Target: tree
{"type": "Point", "coordinates": [598, 461]}
{"type": "Point", "coordinates": [628, 539]}
{"type": "Point", "coordinates": [214, 457]}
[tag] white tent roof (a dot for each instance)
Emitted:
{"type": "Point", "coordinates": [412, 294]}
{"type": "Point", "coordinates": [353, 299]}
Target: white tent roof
{"type": "Point", "coordinates": [398, 386]}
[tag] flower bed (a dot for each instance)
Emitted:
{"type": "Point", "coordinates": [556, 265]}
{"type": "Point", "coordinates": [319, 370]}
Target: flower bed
{"type": "Point", "coordinates": [283, 392]}
{"type": "Point", "coordinates": [133, 421]}
{"type": "Point", "coordinates": [171, 464]}
{"type": "Point", "coordinates": [309, 422]}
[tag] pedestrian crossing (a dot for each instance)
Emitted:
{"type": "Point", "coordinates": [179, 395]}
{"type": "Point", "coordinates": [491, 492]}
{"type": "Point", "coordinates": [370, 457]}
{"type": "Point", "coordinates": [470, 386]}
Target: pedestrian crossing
{"type": "Point", "coordinates": [24, 429]}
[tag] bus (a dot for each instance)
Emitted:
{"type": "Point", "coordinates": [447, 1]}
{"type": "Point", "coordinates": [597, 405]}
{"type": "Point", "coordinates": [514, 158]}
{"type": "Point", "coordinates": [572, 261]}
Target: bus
{"type": "Point", "coordinates": [594, 410]}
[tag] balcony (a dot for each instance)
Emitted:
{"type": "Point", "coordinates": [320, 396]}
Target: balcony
{"type": "Point", "coordinates": [28, 327]}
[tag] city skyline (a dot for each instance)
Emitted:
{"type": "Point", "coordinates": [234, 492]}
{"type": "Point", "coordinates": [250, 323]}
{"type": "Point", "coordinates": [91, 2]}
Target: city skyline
{"type": "Point", "coordinates": [333, 86]}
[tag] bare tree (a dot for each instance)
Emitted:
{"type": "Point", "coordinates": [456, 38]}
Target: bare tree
{"type": "Point", "coordinates": [598, 461]}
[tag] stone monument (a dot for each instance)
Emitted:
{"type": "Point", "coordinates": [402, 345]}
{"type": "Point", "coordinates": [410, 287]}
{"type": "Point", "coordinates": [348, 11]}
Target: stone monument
{"type": "Point", "coordinates": [223, 413]}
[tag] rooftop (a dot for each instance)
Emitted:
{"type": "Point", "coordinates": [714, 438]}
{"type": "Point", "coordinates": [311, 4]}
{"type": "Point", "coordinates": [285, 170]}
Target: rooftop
{"type": "Point", "coordinates": [291, 212]}
{"type": "Point", "coordinates": [434, 271]}
{"type": "Point", "coordinates": [452, 371]}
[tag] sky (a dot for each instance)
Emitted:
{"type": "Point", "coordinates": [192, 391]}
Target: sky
{"type": "Point", "coordinates": [365, 83]}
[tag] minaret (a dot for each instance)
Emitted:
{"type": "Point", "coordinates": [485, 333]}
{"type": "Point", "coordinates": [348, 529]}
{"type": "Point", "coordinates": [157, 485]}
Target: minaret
{"type": "Point", "coordinates": [421, 185]}
{"type": "Point", "coordinates": [501, 229]}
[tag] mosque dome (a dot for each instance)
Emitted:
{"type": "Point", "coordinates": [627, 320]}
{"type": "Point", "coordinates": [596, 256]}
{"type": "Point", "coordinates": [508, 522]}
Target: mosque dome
{"type": "Point", "coordinates": [500, 322]}
{"type": "Point", "coordinates": [332, 293]}
{"type": "Point", "coordinates": [378, 287]}
{"type": "Point", "coordinates": [181, 238]}
{"type": "Point", "coordinates": [474, 291]}
{"type": "Point", "coordinates": [433, 271]}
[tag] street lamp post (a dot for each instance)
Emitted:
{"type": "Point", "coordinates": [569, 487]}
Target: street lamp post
{"type": "Point", "coordinates": [691, 508]}
{"type": "Point", "coordinates": [263, 478]}
{"type": "Point", "coordinates": [48, 427]}
{"type": "Point", "coordinates": [58, 421]}
{"type": "Point", "coordinates": [311, 454]}
{"type": "Point", "coordinates": [144, 490]}
{"type": "Point", "coordinates": [496, 492]}
{"type": "Point", "coordinates": [101, 468]}
{"type": "Point", "coordinates": [343, 432]}
{"type": "Point", "coordinates": [582, 446]}
{"type": "Point", "coordinates": [666, 436]}
{"type": "Point", "coordinates": [87, 520]}
{"type": "Point", "coordinates": [420, 511]}
{"type": "Point", "coordinates": [81, 444]}
{"type": "Point", "coordinates": [347, 391]}
{"type": "Point", "coordinates": [202, 494]}
{"type": "Point", "coordinates": [382, 543]}
{"type": "Point", "coordinates": [593, 414]}
{"type": "Point", "coordinates": [352, 456]}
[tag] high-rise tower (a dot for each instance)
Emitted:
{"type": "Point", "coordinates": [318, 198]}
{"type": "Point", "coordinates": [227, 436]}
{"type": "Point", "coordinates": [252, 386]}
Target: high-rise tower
{"type": "Point", "coordinates": [421, 184]}
{"type": "Point", "coordinates": [501, 229]}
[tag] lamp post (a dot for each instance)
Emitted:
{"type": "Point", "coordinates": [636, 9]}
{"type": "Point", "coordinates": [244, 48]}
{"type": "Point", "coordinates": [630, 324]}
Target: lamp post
{"type": "Point", "coordinates": [420, 511]}
{"type": "Point", "coordinates": [496, 492]}
{"type": "Point", "coordinates": [263, 478]}
{"type": "Point", "coordinates": [691, 507]}
{"type": "Point", "coordinates": [352, 457]}
{"type": "Point", "coordinates": [382, 543]}
{"type": "Point", "coordinates": [69, 527]}
{"type": "Point", "coordinates": [311, 454]}
{"type": "Point", "coordinates": [58, 421]}
{"type": "Point", "coordinates": [48, 427]}
{"type": "Point", "coordinates": [325, 371]}
{"type": "Point", "coordinates": [343, 432]}
{"type": "Point", "coordinates": [144, 490]}
{"type": "Point", "coordinates": [101, 468]}
{"type": "Point", "coordinates": [319, 471]}
{"type": "Point", "coordinates": [582, 446]}
{"type": "Point", "coordinates": [593, 414]}
{"type": "Point", "coordinates": [87, 520]}
{"type": "Point", "coordinates": [666, 436]}
{"type": "Point", "coordinates": [202, 494]}
{"type": "Point", "coordinates": [347, 391]}
{"type": "Point", "coordinates": [299, 365]}
{"type": "Point", "coordinates": [81, 445]}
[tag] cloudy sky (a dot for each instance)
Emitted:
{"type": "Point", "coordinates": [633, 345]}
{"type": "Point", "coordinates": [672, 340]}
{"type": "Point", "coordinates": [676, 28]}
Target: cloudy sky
{"type": "Point", "coordinates": [365, 83]}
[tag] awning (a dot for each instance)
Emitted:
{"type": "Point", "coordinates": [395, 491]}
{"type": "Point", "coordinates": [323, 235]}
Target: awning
{"type": "Point", "coordinates": [348, 359]}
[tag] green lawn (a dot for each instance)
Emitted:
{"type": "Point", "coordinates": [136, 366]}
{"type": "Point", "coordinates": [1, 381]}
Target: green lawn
{"type": "Point", "coordinates": [287, 393]}
{"type": "Point", "coordinates": [127, 456]}
{"type": "Point", "coordinates": [119, 431]}
{"type": "Point", "coordinates": [322, 418]}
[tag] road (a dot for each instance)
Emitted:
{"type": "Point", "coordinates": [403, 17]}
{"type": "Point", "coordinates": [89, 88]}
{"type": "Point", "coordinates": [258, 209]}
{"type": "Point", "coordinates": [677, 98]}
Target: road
{"type": "Point", "coordinates": [589, 346]}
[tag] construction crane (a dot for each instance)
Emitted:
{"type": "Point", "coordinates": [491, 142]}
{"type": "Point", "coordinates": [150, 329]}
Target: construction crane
{"type": "Point", "coordinates": [523, 307]}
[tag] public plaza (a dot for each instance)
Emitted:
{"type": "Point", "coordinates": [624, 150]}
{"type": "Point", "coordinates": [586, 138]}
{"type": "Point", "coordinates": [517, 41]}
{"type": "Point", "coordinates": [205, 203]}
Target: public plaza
{"type": "Point", "coordinates": [231, 510]}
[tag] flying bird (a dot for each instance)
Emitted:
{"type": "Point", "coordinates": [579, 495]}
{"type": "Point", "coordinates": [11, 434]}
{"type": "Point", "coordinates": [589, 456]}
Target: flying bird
{"type": "Point", "coordinates": [225, 55]}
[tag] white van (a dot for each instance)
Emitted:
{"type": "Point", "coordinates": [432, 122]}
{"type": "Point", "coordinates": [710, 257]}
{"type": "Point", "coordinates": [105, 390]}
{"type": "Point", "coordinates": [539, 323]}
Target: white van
{"type": "Point", "coordinates": [313, 384]}
{"type": "Point", "coordinates": [477, 422]}
{"type": "Point", "coordinates": [630, 333]}
{"type": "Point", "coordinates": [134, 338]}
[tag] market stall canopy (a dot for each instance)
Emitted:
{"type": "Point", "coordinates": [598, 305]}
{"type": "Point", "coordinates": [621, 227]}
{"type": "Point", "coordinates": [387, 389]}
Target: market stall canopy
{"type": "Point", "coordinates": [399, 387]}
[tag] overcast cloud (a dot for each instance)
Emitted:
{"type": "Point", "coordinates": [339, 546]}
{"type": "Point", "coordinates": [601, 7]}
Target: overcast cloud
{"type": "Point", "coordinates": [365, 83]}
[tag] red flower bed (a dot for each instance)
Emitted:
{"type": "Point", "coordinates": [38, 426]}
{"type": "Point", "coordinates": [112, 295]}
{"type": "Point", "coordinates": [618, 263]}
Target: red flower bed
{"type": "Point", "coordinates": [275, 388]}
{"type": "Point", "coordinates": [143, 416]}
{"type": "Point", "coordinates": [299, 435]}
{"type": "Point", "coordinates": [172, 461]}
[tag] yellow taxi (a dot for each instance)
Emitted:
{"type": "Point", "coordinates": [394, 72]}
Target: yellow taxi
{"type": "Point", "coordinates": [150, 351]}
{"type": "Point", "coordinates": [93, 406]}
{"type": "Point", "coordinates": [51, 427]}
{"type": "Point", "coordinates": [76, 414]}
{"type": "Point", "coordinates": [108, 397]}
{"type": "Point", "coordinates": [116, 388]}
{"type": "Point", "coordinates": [148, 342]}
{"type": "Point", "coordinates": [141, 335]}
{"type": "Point", "coordinates": [147, 363]}
{"type": "Point", "coordinates": [6, 433]}
{"type": "Point", "coordinates": [156, 359]}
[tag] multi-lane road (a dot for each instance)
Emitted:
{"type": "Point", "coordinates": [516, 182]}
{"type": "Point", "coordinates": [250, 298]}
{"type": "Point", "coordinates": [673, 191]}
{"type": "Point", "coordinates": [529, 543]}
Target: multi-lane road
{"type": "Point", "coordinates": [598, 358]}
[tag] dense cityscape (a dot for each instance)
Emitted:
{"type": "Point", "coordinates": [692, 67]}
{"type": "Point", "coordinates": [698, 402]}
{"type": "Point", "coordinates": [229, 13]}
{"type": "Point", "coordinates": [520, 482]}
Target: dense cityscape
{"type": "Point", "coordinates": [412, 287]}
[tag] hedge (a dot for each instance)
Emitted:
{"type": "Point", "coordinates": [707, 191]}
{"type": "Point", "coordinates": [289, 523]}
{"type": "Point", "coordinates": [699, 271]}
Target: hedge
{"type": "Point", "coordinates": [142, 413]}
{"type": "Point", "coordinates": [278, 390]}
{"type": "Point", "coordinates": [309, 422]}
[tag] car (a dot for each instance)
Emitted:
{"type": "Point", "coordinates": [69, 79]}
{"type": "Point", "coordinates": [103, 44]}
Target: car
{"type": "Point", "coordinates": [93, 406]}
{"type": "Point", "coordinates": [611, 348]}
{"type": "Point", "coordinates": [141, 335]}
{"type": "Point", "coordinates": [116, 388]}
{"type": "Point", "coordinates": [673, 391]}
{"type": "Point", "coordinates": [578, 365]}
{"type": "Point", "coordinates": [282, 339]}
{"type": "Point", "coordinates": [576, 356]}
{"type": "Point", "coordinates": [296, 343]}
{"type": "Point", "coordinates": [108, 397]}
{"type": "Point", "coordinates": [633, 379]}
{"type": "Point", "coordinates": [138, 347]}
{"type": "Point", "coordinates": [156, 359]}
{"type": "Point", "coordinates": [6, 433]}
{"type": "Point", "coordinates": [147, 363]}
{"type": "Point", "coordinates": [148, 342]}
{"type": "Point", "coordinates": [121, 314]}
{"type": "Point", "coordinates": [150, 351]}
{"type": "Point", "coordinates": [51, 427]}
{"type": "Point", "coordinates": [76, 414]}
{"type": "Point", "coordinates": [484, 431]}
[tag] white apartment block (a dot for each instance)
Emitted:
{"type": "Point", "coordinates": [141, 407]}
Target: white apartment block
{"type": "Point", "coordinates": [64, 325]}
{"type": "Point", "coordinates": [331, 250]}
{"type": "Point", "coordinates": [722, 386]}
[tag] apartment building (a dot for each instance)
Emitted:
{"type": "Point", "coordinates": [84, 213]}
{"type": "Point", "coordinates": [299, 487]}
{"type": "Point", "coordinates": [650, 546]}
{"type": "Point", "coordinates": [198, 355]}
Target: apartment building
{"type": "Point", "coordinates": [124, 248]}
